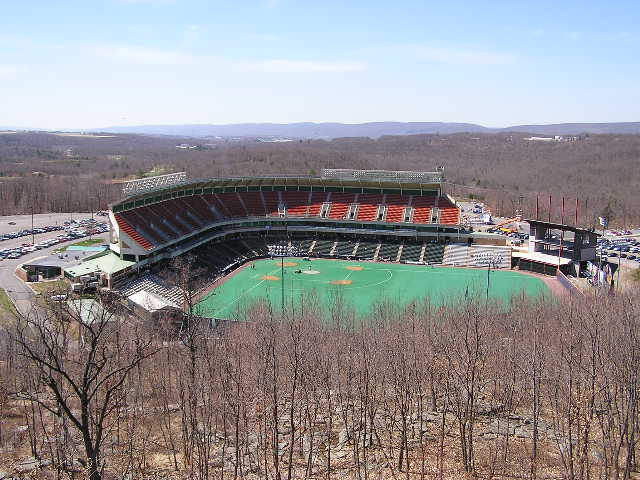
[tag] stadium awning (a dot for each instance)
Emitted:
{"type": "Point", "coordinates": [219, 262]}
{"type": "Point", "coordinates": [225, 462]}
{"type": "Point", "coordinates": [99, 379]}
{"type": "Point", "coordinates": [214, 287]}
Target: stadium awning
{"type": "Point", "coordinates": [543, 258]}
{"type": "Point", "coordinates": [109, 264]}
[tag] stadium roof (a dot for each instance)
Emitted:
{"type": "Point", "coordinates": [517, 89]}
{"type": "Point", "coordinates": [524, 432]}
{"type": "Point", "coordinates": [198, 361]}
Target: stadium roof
{"type": "Point", "coordinates": [151, 302]}
{"type": "Point", "coordinates": [330, 178]}
{"type": "Point", "coordinates": [560, 226]}
{"type": "Point", "coordinates": [109, 263]}
{"type": "Point", "coordinates": [543, 258]}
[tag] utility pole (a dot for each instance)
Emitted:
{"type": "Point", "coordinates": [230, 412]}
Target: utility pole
{"type": "Point", "coordinates": [33, 235]}
{"type": "Point", "coordinates": [91, 229]}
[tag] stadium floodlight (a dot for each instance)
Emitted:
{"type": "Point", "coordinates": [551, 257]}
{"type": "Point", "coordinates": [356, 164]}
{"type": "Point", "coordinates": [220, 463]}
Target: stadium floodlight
{"type": "Point", "coordinates": [383, 175]}
{"type": "Point", "coordinates": [134, 187]}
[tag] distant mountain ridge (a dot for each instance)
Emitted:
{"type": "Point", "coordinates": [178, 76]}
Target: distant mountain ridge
{"type": "Point", "coordinates": [371, 129]}
{"type": "Point", "coordinates": [330, 130]}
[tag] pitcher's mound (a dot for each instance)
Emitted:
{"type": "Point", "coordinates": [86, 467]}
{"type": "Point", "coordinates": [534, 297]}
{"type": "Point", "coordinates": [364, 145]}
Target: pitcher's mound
{"type": "Point", "coordinates": [288, 264]}
{"type": "Point", "coordinates": [355, 267]}
{"type": "Point", "coordinates": [311, 272]}
{"type": "Point", "coordinates": [341, 282]}
{"type": "Point", "coordinates": [270, 277]}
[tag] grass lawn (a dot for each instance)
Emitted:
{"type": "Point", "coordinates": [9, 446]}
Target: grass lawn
{"type": "Point", "coordinates": [52, 287]}
{"type": "Point", "coordinates": [5, 302]}
{"type": "Point", "coordinates": [360, 285]}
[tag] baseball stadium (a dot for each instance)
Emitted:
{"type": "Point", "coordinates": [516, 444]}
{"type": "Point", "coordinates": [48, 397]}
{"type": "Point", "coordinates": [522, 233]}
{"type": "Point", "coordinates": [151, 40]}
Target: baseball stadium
{"type": "Point", "coordinates": [353, 238]}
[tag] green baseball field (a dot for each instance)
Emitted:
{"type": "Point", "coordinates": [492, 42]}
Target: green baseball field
{"type": "Point", "coordinates": [358, 285]}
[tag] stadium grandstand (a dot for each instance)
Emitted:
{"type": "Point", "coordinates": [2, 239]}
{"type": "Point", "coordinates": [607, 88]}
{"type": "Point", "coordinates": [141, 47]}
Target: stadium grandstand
{"type": "Point", "coordinates": [358, 215]}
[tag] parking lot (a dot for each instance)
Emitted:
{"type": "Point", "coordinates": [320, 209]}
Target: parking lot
{"type": "Point", "coordinates": [17, 242]}
{"type": "Point", "coordinates": [627, 250]}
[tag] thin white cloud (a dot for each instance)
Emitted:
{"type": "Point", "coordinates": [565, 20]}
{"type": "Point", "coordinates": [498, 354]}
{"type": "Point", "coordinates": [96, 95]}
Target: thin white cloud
{"type": "Point", "coordinates": [11, 70]}
{"type": "Point", "coordinates": [136, 54]}
{"type": "Point", "coordinates": [306, 66]}
{"type": "Point", "coordinates": [463, 56]}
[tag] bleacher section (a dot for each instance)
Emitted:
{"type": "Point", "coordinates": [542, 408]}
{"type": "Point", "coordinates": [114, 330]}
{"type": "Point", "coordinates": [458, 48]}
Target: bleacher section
{"type": "Point", "coordinates": [297, 203]}
{"type": "Point", "coordinates": [344, 248]}
{"type": "Point", "coordinates": [340, 203]}
{"type": "Point", "coordinates": [304, 246]}
{"type": "Point", "coordinates": [411, 252]}
{"type": "Point", "coordinates": [388, 252]}
{"type": "Point", "coordinates": [317, 199]}
{"type": "Point", "coordinates": [253, 203]}
{"type": "Point", "coordinates": [158, 223]}
{"type": "Point", "coordinates": [323, 247]}
{"type": "Point", "coordinates": [433, 253]}
{"type": "Point", "coordinates": [271, 202]}
{"type": "Point", "coordinates": [129, 230]}
{"type": "Point", "coordinates": [368, 209]}
{"type": "Point", "coordinates": [257, 246]}
{"type": "Point", "coordinates": [449, 213]}
{"type": "Point", "coordinates": [366, 250]}
{"type": "Point", "coordinates": [422, 209]}
{"type": "Point", "coordinates": [397, 204]}
{"type": "Point", "coordinates": [232, 204]}
{"type": "Point", "coordinates": [153, 284]}
{"type": "Point", "coordinates": [456, 254]}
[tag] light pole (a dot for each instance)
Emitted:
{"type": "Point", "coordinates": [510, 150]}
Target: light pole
{"type": "Point", "coordinates": [33, 234]}
{"type": "Point", "coordinates": [491, 262]}
{"type": "Point", "coordinates": [488, 278]}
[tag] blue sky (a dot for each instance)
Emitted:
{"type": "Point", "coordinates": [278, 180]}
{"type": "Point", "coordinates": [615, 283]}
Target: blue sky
{"type": "Point", "coordinates": [86, 64]}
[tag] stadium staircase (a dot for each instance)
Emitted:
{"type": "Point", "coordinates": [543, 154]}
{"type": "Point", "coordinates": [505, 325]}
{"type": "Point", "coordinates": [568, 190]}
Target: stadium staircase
{"type": "Point", "coordinates": [366, 250]}
{"type": "Point", "coordinates": [397, 259]}
{"type": "Point", "coordinates": [377, 251]}
{"type": "Point", "coordinates": [422, 251]}
{"type": "Point", "coordinates": [340, 203]}
{"type": "Point", "coordinates": [323, 247]}
{"type": "Point", "coordinates": [344, 248]}
{"type": "Point", "coordinates": [253, 203]}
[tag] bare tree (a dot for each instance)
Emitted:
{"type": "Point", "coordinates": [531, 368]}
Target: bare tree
{"type": "Point", "coordinates": [82, 357]}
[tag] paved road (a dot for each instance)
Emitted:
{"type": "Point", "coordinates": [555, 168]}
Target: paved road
{"type": "Point", "coordinates": [21, 294]}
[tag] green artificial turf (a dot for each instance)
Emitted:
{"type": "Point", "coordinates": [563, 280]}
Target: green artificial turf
{"type": "Point", "coordinates": [360, 287]}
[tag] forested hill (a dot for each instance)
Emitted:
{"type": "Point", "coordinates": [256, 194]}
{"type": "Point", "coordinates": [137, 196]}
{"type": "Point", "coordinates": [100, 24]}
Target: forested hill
{"type": "Point", "coordinates": [372, 129]}
{"type": "Point", "coordinates": [62, 172]}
